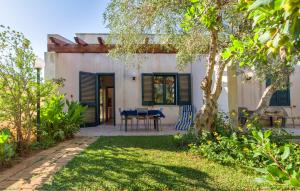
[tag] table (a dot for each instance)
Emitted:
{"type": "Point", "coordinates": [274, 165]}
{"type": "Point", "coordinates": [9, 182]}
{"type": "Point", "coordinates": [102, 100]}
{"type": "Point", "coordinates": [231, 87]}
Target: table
{"type": "Point", "coordinates": [156, 114]}
{"type": "Point", "coordinates": [272, 115]}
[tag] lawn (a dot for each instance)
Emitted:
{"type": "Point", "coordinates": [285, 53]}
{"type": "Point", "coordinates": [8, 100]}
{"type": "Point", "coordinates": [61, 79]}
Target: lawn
{"type": "Point", "coordinates": [146, 163]}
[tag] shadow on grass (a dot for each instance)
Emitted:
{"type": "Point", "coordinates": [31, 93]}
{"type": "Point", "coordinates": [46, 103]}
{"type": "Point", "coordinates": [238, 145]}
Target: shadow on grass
{"type": "Point", "coordinates": [129, 163]}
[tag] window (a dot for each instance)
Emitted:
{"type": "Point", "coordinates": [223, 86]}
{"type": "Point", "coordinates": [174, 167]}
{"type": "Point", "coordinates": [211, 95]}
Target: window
{"type": "Point", "coordinates": [166, 89]}
{"type": "Point", "coordinates": [280, 97]}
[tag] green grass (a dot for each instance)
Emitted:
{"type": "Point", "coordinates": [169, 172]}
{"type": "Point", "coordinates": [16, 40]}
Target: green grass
{"type": "Point", "coordinates": [146, 163]}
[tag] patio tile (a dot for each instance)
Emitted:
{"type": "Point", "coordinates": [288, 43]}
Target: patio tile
{"type": "Point", "coordinates": [109, 130]}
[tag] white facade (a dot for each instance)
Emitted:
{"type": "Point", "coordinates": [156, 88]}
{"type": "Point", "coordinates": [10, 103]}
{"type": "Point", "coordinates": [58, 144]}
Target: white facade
{"type": "Point", "coordinates": [128, 92]}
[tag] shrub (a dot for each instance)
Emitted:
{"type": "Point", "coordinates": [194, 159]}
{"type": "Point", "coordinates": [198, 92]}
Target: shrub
{"type": "Point", "coordinates": [281, 162]}
{"type": "Point", "coordinates": [277, 160]}
{"type": "Point", "coordinates": [52, 119]}
{"type": "Point", "coordinates": [73, 118]}
{"type": "Point", "coordinates": [7, 150]}
{"type": "Point", "coordinates": [184, 140]}
{"type": "Point", "coordinates": [57, 124]}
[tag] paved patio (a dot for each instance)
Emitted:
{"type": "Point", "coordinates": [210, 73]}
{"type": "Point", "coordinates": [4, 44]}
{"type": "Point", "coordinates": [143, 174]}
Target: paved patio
{"type": "Point", "coordinates": [293, 131]}
{"type": "Point", "coordinates": [110, 130]}
{"type": "Point", "coordinates": [34, 171]}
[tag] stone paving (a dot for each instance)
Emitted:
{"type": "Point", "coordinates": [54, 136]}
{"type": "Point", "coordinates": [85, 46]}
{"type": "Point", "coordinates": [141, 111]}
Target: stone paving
{"type": "Point", "coordinates": [110, 130]}
{"type": "Point", "coordinates": [34, 171]}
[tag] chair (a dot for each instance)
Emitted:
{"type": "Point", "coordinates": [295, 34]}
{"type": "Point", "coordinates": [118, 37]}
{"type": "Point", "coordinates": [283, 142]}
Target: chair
{"type": "Point", "coordinates": [154, 117]}
{"type": "Point", "coordinates": [186, 117]}
{"type": "Point", "coordinates": [123, 119]}
{"type": "Point", "coordinates": [142, 115]}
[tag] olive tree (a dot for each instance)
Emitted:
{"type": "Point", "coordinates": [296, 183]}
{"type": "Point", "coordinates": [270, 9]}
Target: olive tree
{"type": "Point", "coordinates": [192, 27]}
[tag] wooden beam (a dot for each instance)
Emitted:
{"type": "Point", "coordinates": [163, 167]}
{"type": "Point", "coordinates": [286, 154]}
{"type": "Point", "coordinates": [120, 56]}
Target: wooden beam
{"type": "Point", "coordinates": [95, 48]}
{"type": "Point", "coordinates": [80, 41]}
{"type": "Point", "coordinates": [146, 40]}
{"type": "Point", "coordinates": [101, 41]}
{"type": "Point", "coordinates": [57, 41]}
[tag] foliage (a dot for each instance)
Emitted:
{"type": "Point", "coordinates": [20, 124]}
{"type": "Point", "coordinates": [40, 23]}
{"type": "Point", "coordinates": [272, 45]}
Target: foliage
{"type": "Point", "coordinates": [57, 124]}
{"type": "Point", "coordinates": [132, 22]}
{"type": "Point", "coordinates": [18, 86]}
{"type": "Point", "coordinates": [146, 163]}
{"type": "Point", "coordinates": [7, 150]}
{"type": "Point", "coordinates": [278, 160]}
{"type": "Point", "coordinates": [185, 139]}
{"type": "Point", "coordinates": [270, 46]}
{"type": "Point", "coordinates": [282, 161]}
{"type": "Point", "coordinates": [275, 25]}
{"type": "Point", "coordinates": [52, 117]}
{"type": "Point", "coordinates": [73, 117]}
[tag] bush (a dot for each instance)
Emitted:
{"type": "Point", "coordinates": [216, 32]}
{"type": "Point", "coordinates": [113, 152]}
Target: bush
{"type": "Point", "coordinates": [277, 160]}
{"type": "Point", "coordinates": [7, 149]}
{"type": "Point", "coordinates": [57, 124]}
{"type": "Point", "coordinates": [73, 118]}
{"type": "Point", "coordinates": [184, 140]}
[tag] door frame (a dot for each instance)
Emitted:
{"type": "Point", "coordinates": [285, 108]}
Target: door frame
{"type": "Point", "coordinates": [98, 97]}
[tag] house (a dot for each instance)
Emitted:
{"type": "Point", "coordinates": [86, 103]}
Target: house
{"type": "Point", "coordinates": [150, 80]}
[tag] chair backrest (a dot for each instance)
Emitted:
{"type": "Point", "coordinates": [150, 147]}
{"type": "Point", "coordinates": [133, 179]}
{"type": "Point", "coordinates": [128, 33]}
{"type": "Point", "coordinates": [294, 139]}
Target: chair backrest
{"type": "Point", "coordinates": [142, 111]}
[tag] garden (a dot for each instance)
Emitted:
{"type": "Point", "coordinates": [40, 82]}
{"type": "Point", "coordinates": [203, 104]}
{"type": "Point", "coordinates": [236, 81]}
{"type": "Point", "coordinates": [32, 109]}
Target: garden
{"type": "Point", "coordinates": [217, 153]}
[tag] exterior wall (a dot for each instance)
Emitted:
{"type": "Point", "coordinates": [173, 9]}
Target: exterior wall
{"type": "Point", "coordinates": [250, 92]}
{"type": "Point", "coordinates": [128, 91]}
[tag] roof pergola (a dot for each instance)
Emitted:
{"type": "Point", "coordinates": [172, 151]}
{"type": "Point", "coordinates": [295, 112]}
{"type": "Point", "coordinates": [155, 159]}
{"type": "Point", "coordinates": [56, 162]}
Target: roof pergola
{"type": "Point", "coordinates": [59, 44]}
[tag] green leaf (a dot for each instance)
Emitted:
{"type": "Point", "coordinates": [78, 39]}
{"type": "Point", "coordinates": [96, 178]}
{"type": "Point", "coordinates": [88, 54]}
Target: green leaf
{"type": "Point", "coordinates": [258, 18]}
{"type": "Point", "coordinates": [286, 153]}
{"type": "Point", "coordinates": [286, 27]}
{"type": "Point", "coordinates": [260, 135]}
{"type": "Point", "coordinates": [296, 28]}
{"type": "Point", "coordinates": [267, 134]}
{"type": "Point", "coordinates": [264, 37]}
{"type": "Point", "coordinates": [275, 171]}
{"type": "Point", "coordinates": [226, 54]}
{"type": "Point", "coordinates": [278, 4]}
{"type": "Point", "coordinates": [276, 40]}
{"type": "Point", "coordinates": [261, 170]}
{"type": "Point", "coordinates": [259, 3]}
{"type": "Point", "coordinates": [294, 181]}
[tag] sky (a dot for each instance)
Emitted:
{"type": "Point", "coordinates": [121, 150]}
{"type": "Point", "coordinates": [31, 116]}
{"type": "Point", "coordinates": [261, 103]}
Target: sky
{"type": "Point", "coordinates": [37, 18]}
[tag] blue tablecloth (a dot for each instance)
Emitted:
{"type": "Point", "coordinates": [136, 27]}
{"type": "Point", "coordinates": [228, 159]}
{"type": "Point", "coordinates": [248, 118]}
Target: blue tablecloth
{"type": "Point", "coordinates": [150, 112]}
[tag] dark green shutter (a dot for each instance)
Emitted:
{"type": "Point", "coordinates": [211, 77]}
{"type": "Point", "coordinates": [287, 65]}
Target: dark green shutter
{"type": "Point", "coordinates": [184, 90]}
{"type": "Point", "coordinates": [88, 97]}
{"type": "Point", "coordinates": [280, 97]}
{"type": "Point", "coordinates": [147, 89]}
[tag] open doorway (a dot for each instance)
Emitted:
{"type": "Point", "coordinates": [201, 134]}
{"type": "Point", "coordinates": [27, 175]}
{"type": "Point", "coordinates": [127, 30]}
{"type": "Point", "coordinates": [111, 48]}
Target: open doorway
{"type": "Point", "coordinates": [106, 99]}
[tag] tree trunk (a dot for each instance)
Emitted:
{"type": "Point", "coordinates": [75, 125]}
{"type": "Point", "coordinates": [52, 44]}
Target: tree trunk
{"type": "Point", "coordinates": [18, 124]}
{"type": "Point", "coordinates": [265, 99]}
{"type": "Point", "coordinates": [19, 135]}
{"type": "Point", "coordinates": [205, 117]}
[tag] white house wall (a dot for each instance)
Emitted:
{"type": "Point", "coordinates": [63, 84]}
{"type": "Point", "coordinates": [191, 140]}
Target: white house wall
{"type": "Point", "coordinates": [128, 92]}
